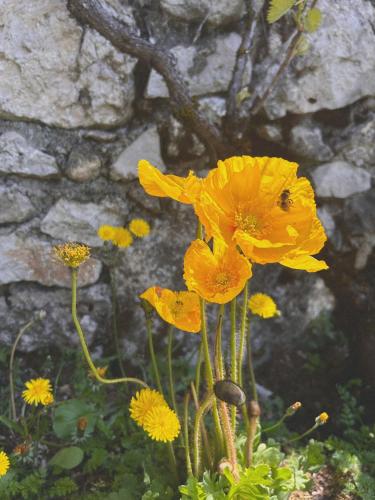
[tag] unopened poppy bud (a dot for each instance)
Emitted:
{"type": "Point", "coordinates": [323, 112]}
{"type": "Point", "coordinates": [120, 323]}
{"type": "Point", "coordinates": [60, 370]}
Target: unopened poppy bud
{"type": "Point", "coordinates": [224, 464]}
{"type": "Point", "coordinates": [82, 423]}
{"type": "Point", "coordinates": [322, 418]}
{"type": "Point", "coordinates": [293, 408]}
{"type": "Point", "coordinates": [253, 409]}
{"type": "Point", "coordinates": [229, 392]}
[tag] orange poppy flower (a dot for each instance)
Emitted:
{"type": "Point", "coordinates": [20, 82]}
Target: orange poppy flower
{"type": "Point", "coordinates": [261, 205]}
{"type": "Point", "coordinates": [180, 309]}
{"type": "Point", "coordinates": [182, 189]}
{"type": "Point", "coordinates": [216, 276]}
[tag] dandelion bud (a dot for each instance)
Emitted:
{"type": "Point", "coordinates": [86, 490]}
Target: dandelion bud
{"type": "Point", "coordinates": [293, 408]}
{"type": "Point", "coordinates": [21, 449]}
{"type": "Point", "coordinates": [82, 423]}
{"type": "Point", "coordinates": [224, 464]}
{"type": "Point", "coordinates": [253, 409]}
{"type": "Point", "coordinates": [322, 418]}
{"type": "Point", "coordinates": [72, 254]}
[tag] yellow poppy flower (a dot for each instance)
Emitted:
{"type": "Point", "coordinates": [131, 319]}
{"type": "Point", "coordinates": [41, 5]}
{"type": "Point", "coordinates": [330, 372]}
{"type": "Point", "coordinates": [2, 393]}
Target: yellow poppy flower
{"type": "Point", "coordinates": [182, 189]}
{"type": "Point", "coordinates": [261, 205]}
{"type": "Point", "coordinates": [180, 309]}
{"type": "Point", "coordinates": [216, 276]}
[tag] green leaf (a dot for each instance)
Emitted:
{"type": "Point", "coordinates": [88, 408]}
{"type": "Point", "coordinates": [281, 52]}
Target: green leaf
{"type": "Point", "coordinates": [67, 458]}
{"type": "Point", "coordinates": [11, 425]}
{"type": "Point", "coordinates": [66, 417]}
{"type": "Point", "coordinates": [278, 8]}
{"type": "Point", "coordinates": [313, 20]}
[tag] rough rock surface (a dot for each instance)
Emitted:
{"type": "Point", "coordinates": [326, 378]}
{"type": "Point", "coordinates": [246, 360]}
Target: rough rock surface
{"type": "Point", "coordinates": [307, 141]}
{"type": "Point", "coordinates": [79, 81]}
{"type": "Point", "coordinates": [17, 156]}
{"type": "Point", "coordinates": [326, 77]}
{"type": "Point", "coordinates": [83, 165]}
{"type": "Point", "coordinates": [207, 69]}
{"type": "Point", "coordinates": [14, 206]}
{"type": "Point", "coordinates": [74, 221]}
{"type": "Point", "coordinates": [340, 179]}
{"type": "Point", "coordinates": [31, 259]}
{"type": "Point", "coordinates": [216, 12]}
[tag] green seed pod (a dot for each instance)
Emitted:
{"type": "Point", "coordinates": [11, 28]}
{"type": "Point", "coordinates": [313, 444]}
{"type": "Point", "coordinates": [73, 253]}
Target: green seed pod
{"type": "Point", "coordinates": [229, 392]}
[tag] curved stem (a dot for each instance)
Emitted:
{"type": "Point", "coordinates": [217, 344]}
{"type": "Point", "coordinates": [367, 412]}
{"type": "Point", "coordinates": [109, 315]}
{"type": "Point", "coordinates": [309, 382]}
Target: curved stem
{"type": "Point", "coordinates": [189, 469]}
{"type": "Point", "coordinates": [276, 425]}
{"type": "Point", "coordinates": [204, 407]}
{"type": "Point", "coordinates": [207, 449]}
{"type": "Point", "coordinates": [152, 353]}
{"type": "Point", "coordinates": [85, 350]}
{"type": "Point", "coordinates": [233, 351]}
{"type": "Point", "coordinates": [309, 431]}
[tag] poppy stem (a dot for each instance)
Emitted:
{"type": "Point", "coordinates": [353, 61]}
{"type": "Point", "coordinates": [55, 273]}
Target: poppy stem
{"type": "Point", "coordinates": [233, 350]}
{"type": "Point", "coordinates": [189, 469]}
{"type": "Point", "coordinates": [152, 353]}
{"type": "Point", "coordinates": [218, 360]}
{"type": "Point", "coordinates": [82, 339]}
{"type": "Point", "coordinates": [201, 410]}
{"type": "Point", "coordinates": [198, 369]}
{"type": "Point", "coordinates": [170, 368]}
{"type": "Point", "coordinates": [207, 448]}
{"type": "Point", "coordinates": [243, 334]}
{"type": "Point", "coordinates": [251, 368]}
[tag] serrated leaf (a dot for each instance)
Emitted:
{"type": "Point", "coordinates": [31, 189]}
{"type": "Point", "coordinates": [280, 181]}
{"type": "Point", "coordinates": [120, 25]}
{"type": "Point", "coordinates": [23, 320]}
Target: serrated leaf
{"type": "Point", "coordinates": [302, 46]}
{"type": "Point", "coordinates": [313, 20]}
{"type": "Point", "coordinates": [67, 458]}
{"type": "Point", "coordinates": [278, 8]}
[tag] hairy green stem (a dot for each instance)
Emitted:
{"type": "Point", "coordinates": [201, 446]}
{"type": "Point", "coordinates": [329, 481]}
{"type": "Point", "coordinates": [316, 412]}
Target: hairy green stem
{"type": "Point", "coordinates": [170, 369]}
{"type": "Point", "coordinates": [251, 368]}
{"type": "Point", "coordinates": [229, 439]}
{"type": "Point", "coordinates": [243, 332]}
{"type": "Point", "coordinates": [219, 365]}
{"type": "Point", "coordinates": [152, 353]}
{"type": "Point", "coordinates": [309, 431]}
{"type": "Point", "coordinates": [189, 469]}
{"type": "Point", "coordinates": [207, 448]}
{"type": "Point", "coordinates": [85, 350]}
{"type": "Point", "coordinates": [203, 408]}
{"type": "Point", "coordinates": [112, 277]}
{"type": "Point", "coordinates": [233, 351]}
{"type": "Point", "coordinates": [198, 369]}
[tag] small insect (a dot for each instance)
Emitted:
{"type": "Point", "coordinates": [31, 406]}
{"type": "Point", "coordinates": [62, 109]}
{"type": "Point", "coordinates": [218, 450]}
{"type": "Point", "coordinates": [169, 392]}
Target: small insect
{"type": "Point", "coordinates": [284, 200]}
{"type": "Point", "coordinates": [229, 392]}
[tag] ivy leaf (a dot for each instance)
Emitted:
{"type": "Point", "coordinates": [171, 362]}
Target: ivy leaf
{"type": "Point", "coordinates": [67, 458]}
{"type": "Point", "coordinates": [278, 8]}
{"type": "Point", "coordinates": [313, 20]}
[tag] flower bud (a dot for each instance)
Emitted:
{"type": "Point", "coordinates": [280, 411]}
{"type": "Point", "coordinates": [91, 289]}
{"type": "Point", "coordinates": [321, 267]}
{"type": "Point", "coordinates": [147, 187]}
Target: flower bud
{"type": "Point", "coordinates": [293, 408]}
{"type": "Point", "coordinates": [322, 418]}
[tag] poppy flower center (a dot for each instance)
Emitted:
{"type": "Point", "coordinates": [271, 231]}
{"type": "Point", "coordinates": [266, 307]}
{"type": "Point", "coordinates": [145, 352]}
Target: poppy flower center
{"type": "Point", "coordinates": [248, 222]}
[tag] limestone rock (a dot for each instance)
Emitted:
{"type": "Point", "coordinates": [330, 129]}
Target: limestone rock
{"type": "Point", "coordinates": [81, 80]}
{"type": "Point", "coordinates": [19, 157]}
{"type": "Point", "coordinates": [14, 206]}
{"type": "Point", "coordinates": [74, 221]}
{"type": "Point", "coordinates": [327, 76]}
{"type": "Point", "coordinates": [327, 220]}
{"type": "Point", "coordinates": [340, 179]}
{"type": "Point", "coordinates": [271, 132]}
{"type": "Point", "coordinates": [208, 70]}
{"type": "Point", "coordinates": [32, 259]}
{"type": "Point", "coordinates": [217, 12]}
{"type": "Point", "coordinates": [214, 108]}
{"type": "Point", "coordinates": [358, 147]}
{"type": "Point", "coordinates": [307, 141]}
{"type": "Point", "coordinates": [83, 165]}
{"type": "Point", "coordinates": [146, 147]}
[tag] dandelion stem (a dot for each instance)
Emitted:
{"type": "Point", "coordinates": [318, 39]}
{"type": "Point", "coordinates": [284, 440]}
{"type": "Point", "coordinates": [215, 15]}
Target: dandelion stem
{"type": "Point", "coordinates": [251, 368]}
{"type": "Point", "coordinates": [82, 339]}
{"type": "Point", "coordinates": [11, 363]}
{"type": "Point", "coordinates": [209, 375]}
{"type": "Point", "coordinates": [172, 460]}
{"type": "Point", "coordinates": [112, 277]}
{"type": "Point", "coordinates": [152, 353]}
{"type": "Point", "coordinates": [233, 350]}
{"type": "Point", "coordinates": [189, 469]}
{"type": "Point", "coordinates": [201, 410]}
{"type": "Point", "coordinates": [309, 431]}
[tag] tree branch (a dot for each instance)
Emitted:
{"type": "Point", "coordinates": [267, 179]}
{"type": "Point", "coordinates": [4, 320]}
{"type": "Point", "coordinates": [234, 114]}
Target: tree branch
{"type": "Point", "coordinates": [95, 14]}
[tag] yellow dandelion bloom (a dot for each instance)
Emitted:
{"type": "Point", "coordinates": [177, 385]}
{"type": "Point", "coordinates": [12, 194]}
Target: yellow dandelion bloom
{"type": "Point", "coordinates": [106, 233]}
{"type": "Point", "coordinates": [139, 228]}
{"type": "Point", "coordinates": [182, 189]}
{"type": "Point", "coordinates": [216, 276]}
{"type": "Point", "coordinates": [180, 309]}
{"type": "Point", "coordinates": [162, 424]}
{"type": "Point", "coordinates": [143, 402]}
{"type": "Point", "coordinates": [72, 254]}
{"type": "Point", "coordinates": [322, 418]}
{"type": "Point", "coordinates": [36, 391]}
{"type": "Point", "coordinates": [261, 205]}
{"type": "Point", "coordinates": [263, 305]}
{"type": "Point", "coordinates": [4, 463]}
{"type": "Point", "coordinates": [48, 399]}
{"type": "Point", "coordinates": [122, 237]}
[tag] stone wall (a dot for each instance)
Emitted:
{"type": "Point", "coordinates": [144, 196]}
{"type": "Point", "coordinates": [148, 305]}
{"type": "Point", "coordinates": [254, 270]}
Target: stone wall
{"type": "Point", "coordinates": [76, 115]}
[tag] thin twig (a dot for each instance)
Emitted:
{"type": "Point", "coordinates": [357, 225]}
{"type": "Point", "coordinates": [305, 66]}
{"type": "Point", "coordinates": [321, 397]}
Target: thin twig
{"type": "Point", "coordinates": [98, 16]}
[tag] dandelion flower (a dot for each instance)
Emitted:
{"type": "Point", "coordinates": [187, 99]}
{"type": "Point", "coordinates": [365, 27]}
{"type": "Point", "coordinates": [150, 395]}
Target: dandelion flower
{"type": "Point", "coordinates": [4, 463]}
{"type": "Point", "coordinates": [263, 305]}
{"type": "Point", "coordinates": [37, 390]}
{"type": "Point", "coordinates": [261, 205]}
{"type": "Point", "coordinates": [180, 309]}
{"type": "Point", "coordinates": [139, 228]}
{"type": "Point", "coordinates": [143, 402]}
{"type": "Point", "coordinates": [72, 254]}
{"type": "Point", "coordinates": [182, 189]}
{"type": "Point", "coordinates": [162, 424]}
{"type": "Point", "coordinates": [106, 233]}
{"type": "Point", "coordinates": [122, 237]}
{"type": "Point", "coordinates": [216, 276]}
{"type": "Point", "coordinates": [48, 399]}
{"type": "Point", "coordinates": [322, 418]}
